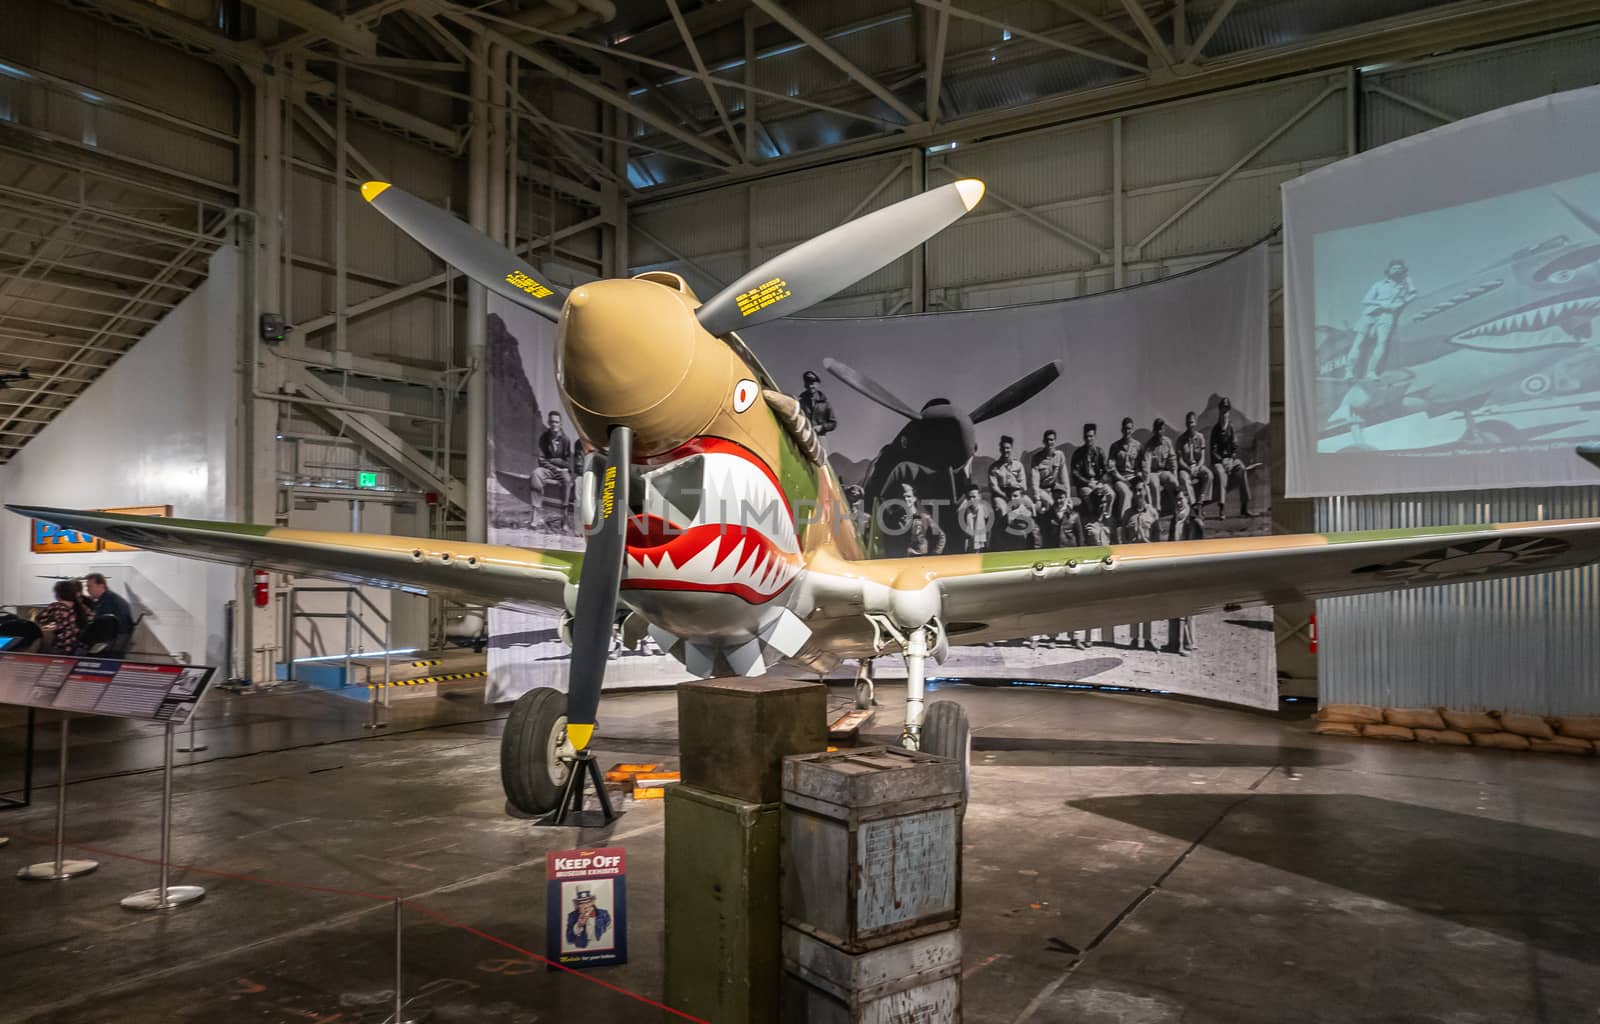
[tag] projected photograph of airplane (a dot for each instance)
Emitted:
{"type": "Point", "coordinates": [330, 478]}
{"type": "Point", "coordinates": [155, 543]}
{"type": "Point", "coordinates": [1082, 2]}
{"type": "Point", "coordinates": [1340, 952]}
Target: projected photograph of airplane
{"type": "Point", "coordinates": [1503, 356]}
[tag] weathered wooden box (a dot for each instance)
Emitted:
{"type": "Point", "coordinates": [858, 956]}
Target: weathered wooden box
{"type": "Point", "coordinates": [913, 982]}
{"type": "Point", "coordinates": [871, 846]}
{"type": "Point", "coordinates": [735, 733]}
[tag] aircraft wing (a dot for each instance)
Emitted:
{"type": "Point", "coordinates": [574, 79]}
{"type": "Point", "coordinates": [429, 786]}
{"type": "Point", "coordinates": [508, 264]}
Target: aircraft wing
{"type": "Point", "coordinates": [476, 573]}
{"type": "Point", "coordinates": [998, 596]}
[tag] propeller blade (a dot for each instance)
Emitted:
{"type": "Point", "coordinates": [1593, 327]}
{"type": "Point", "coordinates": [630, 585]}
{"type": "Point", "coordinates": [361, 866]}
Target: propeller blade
{"type": "Point", "coordinates": [858, 381]}
{"type": "Point", "coordinates": [467, 249]}
{"type": "Point", "coordinates": [1017, 392]}
{"type": "Point", "coordinates": [603, 559]}
{"type": "Point", "coordinates": [815, 270]}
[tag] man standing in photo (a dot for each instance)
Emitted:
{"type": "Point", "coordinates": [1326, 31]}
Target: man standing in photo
{"type": "Point", "coordinates": [1379, 310]}
{"type": "Point", "coordinates": [815, 404]}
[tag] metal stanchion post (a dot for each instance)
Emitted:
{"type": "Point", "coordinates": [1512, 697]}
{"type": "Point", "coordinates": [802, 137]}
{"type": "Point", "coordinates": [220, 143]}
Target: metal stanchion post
{"type": "Point", "coordinates": [372, 703]}
{"type": "Point", "coordinates": [190, 746]}
{"type": "Point", "coordinates": [164, 896]}
{"type": "Point", "coordinates": [59, 868]}
{"type": "Point", "coordinates": [399, 998]}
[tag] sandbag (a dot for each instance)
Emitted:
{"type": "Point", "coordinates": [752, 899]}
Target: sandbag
{"type": "Point", "coordinates": [1500, 740]}
{"type": "Point", "coordinates": [1414, 718]}
{"type": "Point", "coordinates": [1584, 727]}
{"type": "Point", "coordinates": [1469, 721]}
{"type": "Point", "coordinates": [1360, 714]}
{"type": "Point", "coordinates": [1337, 729]}
{"type": "Point", "coordinates": [1526, 725]}
{"type": "Point", "coordinates": [1444, 737]}
{"type": "Point", "coordinates": [1387, 732]}
{"type": "Point", "coordinates": [1563, 745]}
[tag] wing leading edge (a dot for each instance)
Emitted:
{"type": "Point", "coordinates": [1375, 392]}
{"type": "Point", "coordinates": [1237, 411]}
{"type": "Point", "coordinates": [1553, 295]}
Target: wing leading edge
{"type": "Point", "coordinates": [1018, 594]}
{"type": "Point", "coordinates": [477, 573]}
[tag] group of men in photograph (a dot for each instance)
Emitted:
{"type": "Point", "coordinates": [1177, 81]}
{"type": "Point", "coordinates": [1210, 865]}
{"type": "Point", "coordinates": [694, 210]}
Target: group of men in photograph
{"type": "Point", "coordinates": [1102, 496]}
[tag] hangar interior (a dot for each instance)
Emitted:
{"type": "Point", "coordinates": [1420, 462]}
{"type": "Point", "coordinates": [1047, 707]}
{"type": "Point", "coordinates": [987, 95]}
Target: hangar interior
{"type": "Point", "coordinates": [200, 313]}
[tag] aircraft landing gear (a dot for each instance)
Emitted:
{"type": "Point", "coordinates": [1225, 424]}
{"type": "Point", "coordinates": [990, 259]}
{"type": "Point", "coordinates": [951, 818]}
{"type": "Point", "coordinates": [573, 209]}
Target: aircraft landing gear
{"type": "Point", "coordinates": [865, 689]}
{"type": "Point", "coordinates": [942, 728]}
{"type": "Point", "coordinates": [535, 757]}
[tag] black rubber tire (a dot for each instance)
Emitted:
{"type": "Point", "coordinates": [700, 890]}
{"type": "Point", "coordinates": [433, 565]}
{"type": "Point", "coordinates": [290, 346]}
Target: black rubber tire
{"type": "Point", "coordinates": [946, 732]}
{"type": "Point", "coordinates": [524, 751]}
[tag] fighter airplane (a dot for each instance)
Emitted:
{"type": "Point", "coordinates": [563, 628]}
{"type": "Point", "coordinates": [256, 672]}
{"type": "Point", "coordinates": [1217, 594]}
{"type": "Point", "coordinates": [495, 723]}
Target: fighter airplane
{"type": "Point", "coordinates": [717, 524]}
{"type": "Point", "coordinates": [934, 450]}
{"type": "Point", "coordinates": [1503, 355]}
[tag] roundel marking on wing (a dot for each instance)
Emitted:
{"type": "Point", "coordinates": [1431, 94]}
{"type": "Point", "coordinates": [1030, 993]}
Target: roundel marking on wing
{"type": "Point", "coordinates": [1470, 558]}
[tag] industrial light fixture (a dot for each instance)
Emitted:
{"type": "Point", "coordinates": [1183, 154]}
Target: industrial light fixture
{"type": "Point", "coordinates": [10, 377]}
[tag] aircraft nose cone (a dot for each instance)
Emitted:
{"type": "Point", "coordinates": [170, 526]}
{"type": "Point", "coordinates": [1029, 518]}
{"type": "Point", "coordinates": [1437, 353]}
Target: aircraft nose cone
{"type": "Point", "coordinates": [632, 352]}
{"type": "Point", "coordinates": [627, 345]}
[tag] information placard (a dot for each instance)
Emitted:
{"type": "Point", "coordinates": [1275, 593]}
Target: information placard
{"type": "Point", "coordinates": [586, 918]}
{"type": "Point", "coordinates": [147, 691]}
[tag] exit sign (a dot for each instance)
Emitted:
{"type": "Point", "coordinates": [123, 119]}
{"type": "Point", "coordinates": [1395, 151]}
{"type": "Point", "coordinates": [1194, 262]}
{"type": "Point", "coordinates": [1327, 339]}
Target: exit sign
{"type": "Point", "coordinates": [367, 480]}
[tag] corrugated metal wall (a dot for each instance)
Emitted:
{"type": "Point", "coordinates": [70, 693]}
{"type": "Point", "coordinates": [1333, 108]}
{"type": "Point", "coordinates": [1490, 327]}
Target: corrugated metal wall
{"type": "Point", "coordinates": [1528, 644]}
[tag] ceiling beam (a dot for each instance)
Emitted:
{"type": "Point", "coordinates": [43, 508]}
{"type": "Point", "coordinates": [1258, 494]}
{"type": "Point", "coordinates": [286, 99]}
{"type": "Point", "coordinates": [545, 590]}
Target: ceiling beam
{"type": "Point", "coordinates": [935, 63]}
{"type": "Point", "coordinates": [702, 74]}
{"type": "Point", "coordinates": [571, 76]}
{"type": "Point", "coordinates": [1077, 11]}
{"type": "Point", "coordinates": [1022, 33]}
{"type": "Point", "coordinates": [779, 14]}
{"type": "Point", "coordinates": [1212, 24]}
{"type": "Point", "coordinates": [189, 35]}
{"type": "Point", "coordinates": [1147, 28]}
{"type": "Point", "coordinates": [320, 24]}
{"type": "Point", "coordinates": [1398, 38]}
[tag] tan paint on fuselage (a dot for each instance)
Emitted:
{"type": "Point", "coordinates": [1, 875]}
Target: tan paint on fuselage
{"type": "Point", "coordinates": [601, 329]}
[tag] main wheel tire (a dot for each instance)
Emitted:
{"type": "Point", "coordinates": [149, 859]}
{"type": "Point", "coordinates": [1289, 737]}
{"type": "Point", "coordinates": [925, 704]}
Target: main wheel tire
{"type": "Point", "coordinates": [946, 732]}
{"type": "Point", "coordinates": [531, 769]}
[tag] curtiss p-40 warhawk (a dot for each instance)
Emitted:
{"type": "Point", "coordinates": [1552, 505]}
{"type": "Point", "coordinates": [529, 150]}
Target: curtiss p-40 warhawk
{"type": "Point", "coordinates": [714, 521]}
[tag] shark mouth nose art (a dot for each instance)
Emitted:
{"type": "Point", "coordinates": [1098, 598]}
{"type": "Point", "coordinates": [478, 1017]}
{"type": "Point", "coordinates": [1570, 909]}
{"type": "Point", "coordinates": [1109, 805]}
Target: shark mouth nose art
{"type": "Point", "coordinates": [713, 520]}
{"type": "Point", "coordinates": [1555, 323]}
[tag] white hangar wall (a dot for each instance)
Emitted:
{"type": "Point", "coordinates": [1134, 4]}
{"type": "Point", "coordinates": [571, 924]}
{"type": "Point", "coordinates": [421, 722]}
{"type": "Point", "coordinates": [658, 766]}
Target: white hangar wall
{"type": "Point", "coordinates": [156, 429]}
{"type": "Point", "coordinates": [1082, 207]}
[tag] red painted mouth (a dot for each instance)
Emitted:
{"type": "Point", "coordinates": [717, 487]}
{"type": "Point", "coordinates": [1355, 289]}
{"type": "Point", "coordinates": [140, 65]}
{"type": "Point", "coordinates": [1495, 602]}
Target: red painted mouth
{"type": "Point", "coordinates": [711, 488]}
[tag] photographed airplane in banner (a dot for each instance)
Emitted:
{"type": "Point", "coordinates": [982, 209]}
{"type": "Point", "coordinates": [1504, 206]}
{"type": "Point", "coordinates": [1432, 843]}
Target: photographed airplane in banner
{"type": "Point", "coordinates": [715, 519]}
{"type": "Point", "coordinates": [1503, 356]}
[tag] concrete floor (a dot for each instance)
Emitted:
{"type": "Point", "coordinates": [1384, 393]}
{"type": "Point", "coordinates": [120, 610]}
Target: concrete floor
{"type": "Point", "coordinates": [1128, 859]}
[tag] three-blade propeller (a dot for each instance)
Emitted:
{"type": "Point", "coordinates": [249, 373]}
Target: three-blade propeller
{"type": "Point", "coordinates": [787, 284]}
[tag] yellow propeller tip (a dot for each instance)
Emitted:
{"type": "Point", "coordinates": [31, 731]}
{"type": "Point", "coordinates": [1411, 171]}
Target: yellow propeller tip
{"type": "Point", "coordinates": [971, 190]}
{"type": "Point", "coordinates": [579, 735]}
{"type": "Point", "coordinates": [373, 189]}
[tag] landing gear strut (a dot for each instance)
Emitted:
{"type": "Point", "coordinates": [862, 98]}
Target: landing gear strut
{"type": "Point", "coordinates": [942, 728]}
{"type": "Point", "coordinates": [865, 690]}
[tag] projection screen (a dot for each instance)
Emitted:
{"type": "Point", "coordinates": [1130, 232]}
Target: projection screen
{"type": "Point", "coordinates": [1439, 307]}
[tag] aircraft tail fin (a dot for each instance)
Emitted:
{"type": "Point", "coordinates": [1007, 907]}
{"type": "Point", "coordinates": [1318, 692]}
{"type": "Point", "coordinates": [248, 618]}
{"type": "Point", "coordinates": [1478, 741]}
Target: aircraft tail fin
{"type": "Point", "coordinates": [1590, 452]}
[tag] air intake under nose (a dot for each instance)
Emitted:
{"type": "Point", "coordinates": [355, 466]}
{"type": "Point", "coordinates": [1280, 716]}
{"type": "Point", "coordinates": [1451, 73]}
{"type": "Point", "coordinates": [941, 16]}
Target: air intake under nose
{"type": "Point", "coordinates": [675, 492]}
